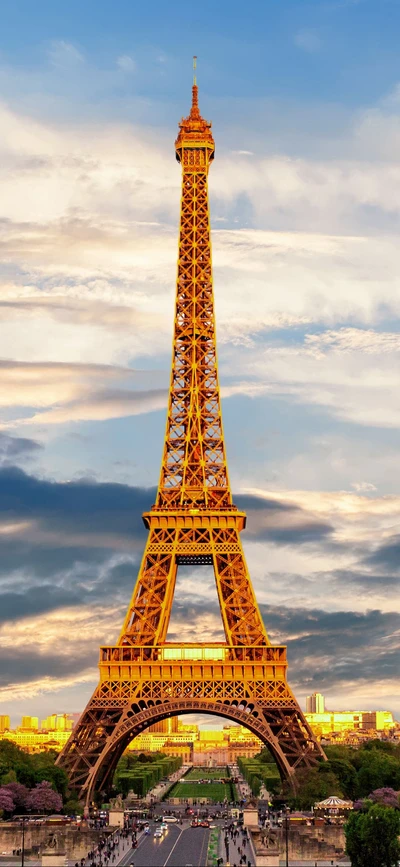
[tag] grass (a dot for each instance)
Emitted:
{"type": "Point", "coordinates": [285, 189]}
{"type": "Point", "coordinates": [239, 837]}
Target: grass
{"type": "Point", "coordinates": [214, 791]}
{"type": "Point", "coordinates": [206, 774]}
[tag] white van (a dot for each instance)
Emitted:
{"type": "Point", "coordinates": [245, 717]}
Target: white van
{"type": "Point", "coordinates": [169, 819]}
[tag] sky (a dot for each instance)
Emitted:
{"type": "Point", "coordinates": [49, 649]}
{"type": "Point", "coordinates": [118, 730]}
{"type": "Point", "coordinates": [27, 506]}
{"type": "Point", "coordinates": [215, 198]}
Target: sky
{"type": "Point", "coordinates": [304, 98]}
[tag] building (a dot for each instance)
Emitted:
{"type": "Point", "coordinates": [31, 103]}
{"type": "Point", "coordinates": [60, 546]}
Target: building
{"type": "Point", "coordinates": [315, 703]}
{"type": "Point", "coordinates": [60, 722]}
{"type": "Point", "coordinates": [165, 726]}
{"type": "Point", "coordinates": [198, 746]}
{"type": "Point", "coordinates": [29, 723]}
{"type": "Point", "coordinates": [34, 741]}
{"type": "Point", "coordinates": [4, 722]}
{"type": "Point", "coordinates": [341, 722]}
{"type": "Point", "coordinates": [184, 750]}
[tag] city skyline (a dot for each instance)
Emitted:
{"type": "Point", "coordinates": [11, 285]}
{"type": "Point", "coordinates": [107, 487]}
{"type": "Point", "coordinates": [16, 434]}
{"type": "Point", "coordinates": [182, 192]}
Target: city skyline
{"type": "Point", "coordinates": [304, 217]}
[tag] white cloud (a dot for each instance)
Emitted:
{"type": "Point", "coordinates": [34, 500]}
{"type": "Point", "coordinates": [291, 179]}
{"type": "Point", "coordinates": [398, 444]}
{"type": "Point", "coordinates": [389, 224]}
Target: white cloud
{"type": "Point", "coordinates": [126, 64]}
{"type": "Point", "coordinates": [64, 54]}
{"type": "Point", "coordinates": [309, 40]}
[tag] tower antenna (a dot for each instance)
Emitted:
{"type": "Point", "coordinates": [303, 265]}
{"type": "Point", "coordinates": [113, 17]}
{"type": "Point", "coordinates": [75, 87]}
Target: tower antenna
{"type": "Point", "coordinates": [194, 69]}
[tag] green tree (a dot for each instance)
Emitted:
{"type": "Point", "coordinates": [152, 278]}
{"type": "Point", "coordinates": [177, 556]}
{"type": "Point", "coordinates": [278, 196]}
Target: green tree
{"type": "Point", "coordinates": [313, 785]}
{"type": "Point", "coordinates": [12, 758]}
{"type": "Point", "coordinates": [44, 768]}
{"type": "Point", "coordinates": [255, 785]}
{"type": "Point", "coordinates": [372, 837]}
{"type": "Point", "coordinates": [346, 774]}
{"type": "Point", "coordinates": [265, 757]}
{"type": "Point", "coordinates": [9, 777]}
{"type": "Point", "coordinates": [377, 770]}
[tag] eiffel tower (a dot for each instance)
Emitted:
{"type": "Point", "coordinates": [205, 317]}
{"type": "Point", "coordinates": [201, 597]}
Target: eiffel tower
{"type": "Point", "coordinates": [144, 678]}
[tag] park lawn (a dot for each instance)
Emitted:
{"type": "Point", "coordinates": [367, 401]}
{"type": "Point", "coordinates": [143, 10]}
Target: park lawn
{"type": "Point", "coordinates": [206, 774]}
{"type": "Point", "coordinates": [214, 791]}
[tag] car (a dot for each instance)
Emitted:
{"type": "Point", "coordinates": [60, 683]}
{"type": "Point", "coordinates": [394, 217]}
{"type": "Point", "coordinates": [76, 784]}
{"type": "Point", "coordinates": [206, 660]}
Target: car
{"type": "Point", "coordinates": [147, 830]}
{"type": "Point", "coordinates": [194, 823]}
{"type": "Point", "coordinates": [163, 826]}
{"type": "Point", "coordinates": [158, 832]}
{"type": "Point", "coordinates": [169, 819]}
{"type": "Point", "coordinates": [204, 823]}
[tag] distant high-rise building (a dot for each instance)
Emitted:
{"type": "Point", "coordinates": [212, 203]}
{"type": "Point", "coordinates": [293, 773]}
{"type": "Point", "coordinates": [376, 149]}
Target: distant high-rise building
{"type": "Point", "coordinates": [315, 703]}
{"type": "Point", "coordinates": [58, 722]}
{"type": "Point", "coordinates": [4, 722]}
{"type": "Point", "coordinates": [30, 722]}
{"type": "Point", "coordinates": [165, 726]}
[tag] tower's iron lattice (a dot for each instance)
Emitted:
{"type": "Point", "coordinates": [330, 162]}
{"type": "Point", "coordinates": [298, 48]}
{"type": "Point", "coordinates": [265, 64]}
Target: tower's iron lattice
{"type": "Point", "coordinates": [144, 678]}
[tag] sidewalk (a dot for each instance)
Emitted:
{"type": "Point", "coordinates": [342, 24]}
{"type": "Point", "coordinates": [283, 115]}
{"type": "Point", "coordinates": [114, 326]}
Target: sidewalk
{"type": "Point", "coordinates": [234, 845]}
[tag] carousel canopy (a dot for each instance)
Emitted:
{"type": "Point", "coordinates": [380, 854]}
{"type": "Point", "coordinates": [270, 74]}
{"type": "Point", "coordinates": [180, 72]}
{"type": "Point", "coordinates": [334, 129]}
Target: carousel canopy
{"type": "Point", "coordinates": [335, 803]}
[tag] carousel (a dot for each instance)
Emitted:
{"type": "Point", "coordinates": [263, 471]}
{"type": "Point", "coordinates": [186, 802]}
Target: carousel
{"type": "Point", "coordinates": [333, 810]}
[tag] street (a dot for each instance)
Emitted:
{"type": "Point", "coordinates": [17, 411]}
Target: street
{"type": "Point", "coordinates": [179, 847]}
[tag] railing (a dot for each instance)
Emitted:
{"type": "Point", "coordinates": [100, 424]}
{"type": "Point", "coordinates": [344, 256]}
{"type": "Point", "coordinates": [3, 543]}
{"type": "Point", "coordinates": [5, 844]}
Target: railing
{"type": "Point", "coordinates": [169, 653]}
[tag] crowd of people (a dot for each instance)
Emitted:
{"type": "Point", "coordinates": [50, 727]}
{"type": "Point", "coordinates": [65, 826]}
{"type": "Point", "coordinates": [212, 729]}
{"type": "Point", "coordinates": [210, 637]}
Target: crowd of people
{"type": "Point", "coordinates": [237, 846]}
{"type": "Point", "coordinates": [108, 850]}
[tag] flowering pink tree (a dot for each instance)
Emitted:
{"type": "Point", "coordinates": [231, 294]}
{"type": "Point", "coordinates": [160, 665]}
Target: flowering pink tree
{"type": "Point", "coordinates": [6, 800]}
{"type": "Point", "coordinates": [18, 792]}
{"type": "Point", "coordinates": [385, 796]}
{"type": "Point", "coordinates": [43, 799]}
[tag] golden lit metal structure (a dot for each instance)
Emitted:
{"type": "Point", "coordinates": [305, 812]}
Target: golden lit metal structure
{"type": "Point", "coordinates": [144, 678]}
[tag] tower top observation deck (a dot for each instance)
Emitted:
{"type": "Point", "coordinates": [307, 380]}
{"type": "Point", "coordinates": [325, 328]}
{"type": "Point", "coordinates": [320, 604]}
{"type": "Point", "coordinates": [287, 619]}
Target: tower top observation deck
{"type": "Point", "coordinates": [194, 130]}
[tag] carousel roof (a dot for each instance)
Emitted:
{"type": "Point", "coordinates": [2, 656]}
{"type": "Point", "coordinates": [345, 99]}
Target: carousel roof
{"type": "Point", "coordinates": [334, 802]}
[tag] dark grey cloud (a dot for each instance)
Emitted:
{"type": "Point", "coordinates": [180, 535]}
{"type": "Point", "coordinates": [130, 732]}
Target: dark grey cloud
{"type": "Point", "coordinates": [84, 584]}
{"type": "Point", "coordinates": [386, 556]}
{"type": "Point", "coordinates": [295, 533]}
{"type": "Point", "coordinates": [14, 449]}
{"type": "Point", "coordinates": [249, 503]}
{"type": "Point", "coordinates": [82, 506]}
{"type": "Point", "coordinates": [20, 666]}
{"type": "Point", "coordinates": [326, 649]}
{"type": "Point", "coordinates": [269, 520]}
{"type": "Point", "coordinates": [382, 582]}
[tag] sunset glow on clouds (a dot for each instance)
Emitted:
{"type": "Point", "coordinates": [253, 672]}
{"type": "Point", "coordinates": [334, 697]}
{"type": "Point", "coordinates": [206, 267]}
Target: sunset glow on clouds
{"type": "Point", "coordinates": [305, 199]}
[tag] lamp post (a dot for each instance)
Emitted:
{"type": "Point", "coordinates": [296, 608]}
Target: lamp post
{"type": "Point", "coordinates": [287, 835]}
{"type": "Point", "coordinates": [23, 841]}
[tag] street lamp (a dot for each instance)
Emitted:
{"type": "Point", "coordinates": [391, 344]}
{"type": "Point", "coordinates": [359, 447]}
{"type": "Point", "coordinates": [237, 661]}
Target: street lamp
{"type": "Point", "coordinates": [23, 841]}
{"type": "Point", "coordinates": [287, 835]}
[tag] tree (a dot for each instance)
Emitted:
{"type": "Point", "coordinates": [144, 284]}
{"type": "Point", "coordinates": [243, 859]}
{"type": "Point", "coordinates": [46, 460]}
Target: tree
{"type": "Point", "coordinates": [12, 758]}
{"type": "Point", "coordinates": [372, 837]}
{"type": "Point", "coordinates": [6, 800]}
{"type": "Point", "coordinates": [44, 768]}
{"type": "Point", "coordinates": [313, 785]}
{"type": "Point", "coordinates": [73, 807]}
{"type": "Point", "coordinates": [10, 777]}
{"type": "Point", "coordinates": [265, 757]}
{"type": "Point", "coordinates": [19, 794]}
{"type": "Point", "coordinates": [346, 775]}
{"type": "Point", "coordinates": [386, 796]}
{"type": "Point", "coordinates": [43, 799]}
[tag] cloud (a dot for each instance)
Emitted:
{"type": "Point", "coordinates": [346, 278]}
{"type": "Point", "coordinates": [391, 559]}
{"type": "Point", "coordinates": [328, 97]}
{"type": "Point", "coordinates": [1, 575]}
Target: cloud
{"type": "Point", "coordinates": [386, 555]}
{"type": "Point", "coordinates": [126, 64]}
{"type": "Point", "coordinates": [58, 392]}
{"type": "Point", "coordinates": [338, 652]}
{"type": "Point", "coordinates": [67, 581]}
{"type": "Point", "coordinates": [78, 509]}
{"type": "Point", "coordinates": [113, 403]}
{"type": "Point", "coordinates": [308, 40]}
{"type": "Point", "coordinates": [63, 54]}
{"type": "Point", "coordinates": [17, 448]}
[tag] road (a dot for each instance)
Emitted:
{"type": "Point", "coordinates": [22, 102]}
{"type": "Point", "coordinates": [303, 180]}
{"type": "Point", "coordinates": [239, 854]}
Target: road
{"type": "Point", "coordinates": [181, 845]}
